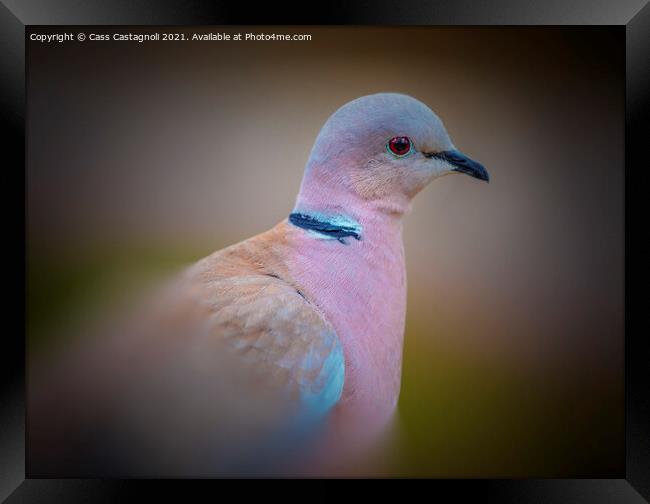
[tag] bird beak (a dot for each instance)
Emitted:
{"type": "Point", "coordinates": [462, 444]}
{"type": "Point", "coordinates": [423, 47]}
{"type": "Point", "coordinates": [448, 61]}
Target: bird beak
{"type": "Point", "coordinates": [461, 163]}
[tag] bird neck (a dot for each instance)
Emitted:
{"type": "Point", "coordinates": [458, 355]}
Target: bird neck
{"type": "Point", "coordinates": [350, 264]}
{"type": "Point", "coordinates": [335, 199]}
{"type": "Point", "coordinates": [349, 256]}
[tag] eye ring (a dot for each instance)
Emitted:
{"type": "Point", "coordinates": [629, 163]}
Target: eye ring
{"type": "Point", "coordinates": [399, 146]}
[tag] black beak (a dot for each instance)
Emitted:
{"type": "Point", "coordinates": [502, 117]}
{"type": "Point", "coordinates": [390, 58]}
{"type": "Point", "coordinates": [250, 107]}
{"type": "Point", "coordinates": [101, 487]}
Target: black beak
{"type": "Point", "coordinates": [461, 163]}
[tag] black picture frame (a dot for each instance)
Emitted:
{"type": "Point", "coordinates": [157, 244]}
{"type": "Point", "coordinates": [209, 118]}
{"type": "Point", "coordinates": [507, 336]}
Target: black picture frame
{"type": "Point", "coordinates": [15, 16]}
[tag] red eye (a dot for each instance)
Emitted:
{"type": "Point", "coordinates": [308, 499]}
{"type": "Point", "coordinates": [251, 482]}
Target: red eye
{"type": "Point", "coordinates": [400, 146]}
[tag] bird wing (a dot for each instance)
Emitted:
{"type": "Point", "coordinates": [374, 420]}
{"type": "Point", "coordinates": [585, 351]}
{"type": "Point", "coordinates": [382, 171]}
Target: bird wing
{"type": "Point", "coordinates": [268, 329]}
{"type": "Point", "coordinates": [266, 356]}
{"type": "Point", "coordinates": [229, 369]}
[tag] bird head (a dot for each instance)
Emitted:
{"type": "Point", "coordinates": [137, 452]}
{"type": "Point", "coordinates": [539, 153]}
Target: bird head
{"type": "Point", "coordinates": [382, 150]}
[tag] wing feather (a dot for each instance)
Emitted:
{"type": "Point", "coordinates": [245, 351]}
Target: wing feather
{"type": "Point", "coordinates": [263, 323]}
{"type": "Point", "coordinates": [227, 370]}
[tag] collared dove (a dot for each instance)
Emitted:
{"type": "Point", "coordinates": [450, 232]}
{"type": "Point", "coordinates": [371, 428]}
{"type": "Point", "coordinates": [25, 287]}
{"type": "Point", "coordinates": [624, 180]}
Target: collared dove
{"type": "Point", "coordinates": [279, 355]}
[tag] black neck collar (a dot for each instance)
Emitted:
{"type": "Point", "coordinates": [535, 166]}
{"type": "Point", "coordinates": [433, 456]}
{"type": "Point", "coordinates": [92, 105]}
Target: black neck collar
{"type": "Point", "coordinates": [323, 226]}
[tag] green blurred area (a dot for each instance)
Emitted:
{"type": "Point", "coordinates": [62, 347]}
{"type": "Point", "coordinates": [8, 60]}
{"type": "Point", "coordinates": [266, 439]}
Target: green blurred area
{"type": "Point", "coordinates": [65, 283]}
{"type": "Point", "coordinates": [463, 413]}
{"type": "Point", "coordinates": [469, 415]}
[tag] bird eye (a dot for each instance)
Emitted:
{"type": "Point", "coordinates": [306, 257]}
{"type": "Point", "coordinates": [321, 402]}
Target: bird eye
{"type": "Point", "coordinates": [399, 146]}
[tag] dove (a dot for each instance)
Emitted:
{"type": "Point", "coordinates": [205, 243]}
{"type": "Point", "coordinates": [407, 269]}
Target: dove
{"type": "Point", "coordinates": [284, 347]}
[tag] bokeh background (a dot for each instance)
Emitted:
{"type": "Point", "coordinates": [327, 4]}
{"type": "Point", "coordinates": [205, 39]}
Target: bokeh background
{"type": "Point", "coordinates": [144, 157]}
